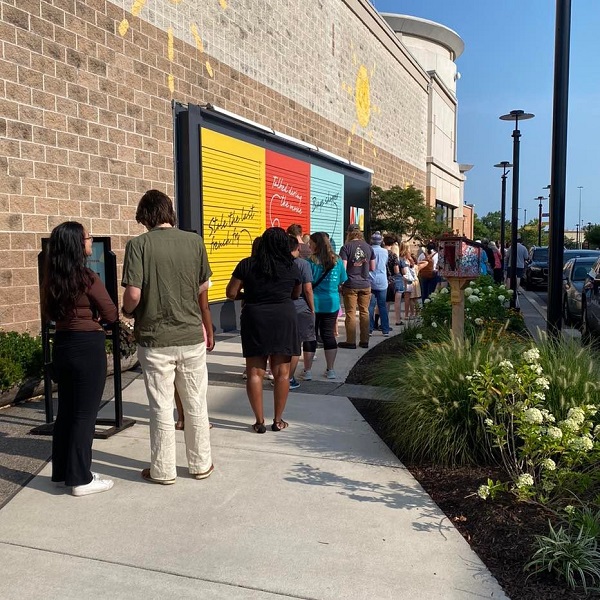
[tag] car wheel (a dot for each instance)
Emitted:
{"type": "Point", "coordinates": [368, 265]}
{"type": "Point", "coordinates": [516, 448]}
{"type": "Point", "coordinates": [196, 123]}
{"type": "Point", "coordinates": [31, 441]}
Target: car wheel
{"type": "Point", "coordinates": [566, 316]}
{"type": "Point", "coordinates": [586, 335]}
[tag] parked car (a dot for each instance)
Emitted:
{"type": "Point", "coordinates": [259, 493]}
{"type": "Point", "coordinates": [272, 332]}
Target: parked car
{"type": "Point", "coordinates": [590, 304]}
{"type": "Point", "coordinates": [536, 269]}
{"type": "Point", "coordinates": [574, 275]}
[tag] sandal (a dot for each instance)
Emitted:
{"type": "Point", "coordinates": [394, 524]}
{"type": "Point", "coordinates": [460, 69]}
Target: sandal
{"type": "Point", "coordinates": [147, 477]}
{"type": "Point", "coordinates": [279, 425]}
{"type": "Point", "coordinates": [259, 427]}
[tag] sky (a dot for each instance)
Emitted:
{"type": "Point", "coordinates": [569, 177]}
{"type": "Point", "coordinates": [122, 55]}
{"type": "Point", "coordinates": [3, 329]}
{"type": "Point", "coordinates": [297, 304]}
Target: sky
{"type": "Point", "coordinates": [508, 64]}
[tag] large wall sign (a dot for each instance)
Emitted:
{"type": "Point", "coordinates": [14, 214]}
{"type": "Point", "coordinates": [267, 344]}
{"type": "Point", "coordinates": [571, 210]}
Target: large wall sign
{"type": "Point", "coordinates": [327, 204]}
{"type": "Point", "coordinates": [288, 191]}
{"type": "Point", "coordinates": [233, 203]}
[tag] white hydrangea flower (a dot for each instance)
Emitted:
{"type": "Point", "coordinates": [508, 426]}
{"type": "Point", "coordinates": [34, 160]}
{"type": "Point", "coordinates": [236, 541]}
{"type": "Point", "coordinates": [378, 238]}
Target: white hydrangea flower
{"type": "Point", "coordinates": [537, 369]}
{"type": "Point", "coordinates": [592, 409]}
{"type": "Point", "coordinates": [444, 291]}
{"type": "Point", "coordinates": [490, 288]}
{"type": "Point", "coordinates": [582, 443]}
{"type": "Point", "coordinates": [419, 336]}
{"type": "Point", "coordinates": [576, 414]}
{"type": "Point", "coordinates": [427, 301]}
{"type": "Point", "coordinates": [532, 355]}
{"type": "Point", "coordinates": [597, 430]}
{"type": "Point", "coordinates": [489, 422]}
{"type": "Point", "coordinates": [502, 287]}
{"type": "Point", "coordinates": [471, 283]}
{"type": "Point", "coordinates": [510, 293]}
{"type": "Point", "coordinates": [476, 290]}
{"type": "Point", "coordinates": [506, 364]}
{"type": "Point", "coordinates": [478, 321]}
{"type": "Point", "coordinates": [524, 480]}
{"type": "Point", "coordinates": [543, 382]}
{"type": "Point", "coordinates": [473, 298]}
{"type": "Point", "coordinates": [501, 298]}
{"type": "Point", "coordinates": [539, 396]}
{"type": "Point", "coordinates": [468, 292]}
{"type": "Point", "coordinates": [549, 464]}
{"type": "Point", "coordinates": [554, 432]}
{"type": "Point", "coordinates": [569, 425]}
{"type": "Point", "coordinates": [569, 509]}
{"type": "Point", "coordinates": [434, 325]}
{"type": "Point", "coordinates": [533, 416]}
{"type": "Point", "coordinates": [483, 492]}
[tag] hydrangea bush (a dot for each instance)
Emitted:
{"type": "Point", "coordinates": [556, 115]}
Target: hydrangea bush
{"type": "Point", "coordinates": [542, 456]}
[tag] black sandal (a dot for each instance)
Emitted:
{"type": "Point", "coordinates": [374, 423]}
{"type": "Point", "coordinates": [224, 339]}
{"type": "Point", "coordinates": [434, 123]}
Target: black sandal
{"type": "Point", "coordinates": [279, 425]}
{"type": "Point", "coordinates": [259, 427]}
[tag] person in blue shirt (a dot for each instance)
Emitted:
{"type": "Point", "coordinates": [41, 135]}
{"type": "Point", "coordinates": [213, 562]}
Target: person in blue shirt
{"type": "Point", "coordinates": [328, 273]}
{"type": "Point", "coordinates": [379, 285]}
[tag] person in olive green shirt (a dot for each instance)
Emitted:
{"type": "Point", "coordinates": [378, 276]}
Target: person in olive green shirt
{"type": "Point", "coordinates": [165, 271]}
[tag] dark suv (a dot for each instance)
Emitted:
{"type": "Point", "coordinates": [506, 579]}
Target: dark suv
{"type": "Point", "coordinates": [536, 269]}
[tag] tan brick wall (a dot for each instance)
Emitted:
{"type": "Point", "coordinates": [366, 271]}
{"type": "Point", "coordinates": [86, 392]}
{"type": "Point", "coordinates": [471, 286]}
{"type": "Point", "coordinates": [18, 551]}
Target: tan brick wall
{"type": "Point", "coordinates": [86, 120]}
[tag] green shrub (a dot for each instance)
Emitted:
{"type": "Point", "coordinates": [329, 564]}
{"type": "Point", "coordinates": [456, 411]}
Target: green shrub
{"type": "Point", "coordinates": [11, 373]}
{"type": "Point", "coordinates": [24, 351]}
{"type": "Point", "coordinates": [431, 417]}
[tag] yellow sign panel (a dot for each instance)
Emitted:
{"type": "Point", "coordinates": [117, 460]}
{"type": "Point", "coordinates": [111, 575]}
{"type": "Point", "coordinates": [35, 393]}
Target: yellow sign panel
{"type": "Point", "coordinates": [233, 203]}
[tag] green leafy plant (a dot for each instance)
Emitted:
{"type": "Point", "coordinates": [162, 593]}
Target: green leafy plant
{"type": "Point", "coordinates": [569, 555]}
{"type": "Point", "coordinates": [20, 357]}
{"type": "Point", "coordinates": [431, 416]}
{"type": "Point", "coordinates": [128, 346]}
{"type": "Point", "coordinates": [11, 373]}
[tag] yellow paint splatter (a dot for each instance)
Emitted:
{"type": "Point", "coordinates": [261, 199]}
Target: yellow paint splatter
{"type": "Point", "coordinates": [171, 82]}
{"type": "Point", "coordinates": [375, 152]}
{"type": "Point", "coordinates": [197, 38]}
{"type": "Point", "coordinates": [123, 27]}
{"type": "Point", "coordinates": [137, 7]}
{"type": "Point", "coordinates": [363, 96]}
{"type": "Point", "coordinates": [209, 70]}
{"type": "Point", "coordinates": [170, 47]}
{"type": "Point", "coordinates": [349, 140]}
{"type": "Point", "coordinates": [223, 4]}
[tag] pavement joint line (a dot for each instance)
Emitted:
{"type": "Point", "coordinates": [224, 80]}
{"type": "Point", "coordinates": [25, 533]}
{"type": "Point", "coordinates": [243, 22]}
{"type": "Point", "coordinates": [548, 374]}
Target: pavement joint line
{"type": "Point", "coordinates": [160, 571]}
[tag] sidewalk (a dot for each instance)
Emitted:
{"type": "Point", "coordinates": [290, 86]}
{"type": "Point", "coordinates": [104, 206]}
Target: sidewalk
{"type": "Point", "coordinates": [322, 510]}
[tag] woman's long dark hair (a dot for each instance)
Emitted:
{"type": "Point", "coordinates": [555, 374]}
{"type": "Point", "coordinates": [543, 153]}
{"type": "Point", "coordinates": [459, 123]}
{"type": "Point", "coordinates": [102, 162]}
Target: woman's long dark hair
{"type": "Point", "coordinates": [273, 248]}
{"type": "Point", "coordinates": [323, 254]}
{"type": "Point", "coordinates": [66, 276]}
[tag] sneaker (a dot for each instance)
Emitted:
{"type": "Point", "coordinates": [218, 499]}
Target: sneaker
{"type": "Point", "coordinates": [386, 334]}
{"type": "Point", "coordinates": [205, 474]}
{"type": "Point", "coordinates": [347, 345]}
{"type": "Point", "coordinates": [294, 384]}
{"type": "Point", "coordinates": [244, 375]}
{"type": "Point", "coordinates": [363, 344]}
{"type": "Point", "coordinates": [307, 375]}
{"type": "Point", "coordinates": [95, 486]}
{"type": "Point", "coordinates": [269, 375]}
{"type": "Point", "coordinates": [330, 374]}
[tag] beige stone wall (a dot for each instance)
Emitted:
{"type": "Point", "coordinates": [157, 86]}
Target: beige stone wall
{"type": "Point", "coordinates": [85, 105]}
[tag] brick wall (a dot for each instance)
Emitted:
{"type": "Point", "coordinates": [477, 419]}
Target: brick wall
{"type": "Point", "coordinates": [85, 107]}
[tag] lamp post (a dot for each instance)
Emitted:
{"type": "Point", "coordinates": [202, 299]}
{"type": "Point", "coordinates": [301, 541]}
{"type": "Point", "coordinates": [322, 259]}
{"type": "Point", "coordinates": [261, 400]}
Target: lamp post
{"type": "Point", "coordinates": [504, 165]}
{"type": "Point", "coordinates": [579, 244]}
{"type": "Point", "coordinates": [577, 234]}
{"type": "Point", "coordinates": [539, 199]}
{"type": "Point", "coordinates": [516, 116]}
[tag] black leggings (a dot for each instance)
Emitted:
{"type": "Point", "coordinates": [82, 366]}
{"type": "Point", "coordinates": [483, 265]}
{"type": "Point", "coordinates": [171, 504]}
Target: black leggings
{"type": "Point", "coordinates": [325, 328]}
{"type": "Point", "coordinates": [79, 363]}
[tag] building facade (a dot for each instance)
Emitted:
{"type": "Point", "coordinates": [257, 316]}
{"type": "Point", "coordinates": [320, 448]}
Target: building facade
{"type": "Point", "coordinates": [87, 91]}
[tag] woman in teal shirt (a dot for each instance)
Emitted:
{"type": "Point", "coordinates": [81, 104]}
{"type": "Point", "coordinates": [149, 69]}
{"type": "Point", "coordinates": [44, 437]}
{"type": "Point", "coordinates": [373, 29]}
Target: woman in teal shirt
{"type": "Point", "coordinates": [328, 274]}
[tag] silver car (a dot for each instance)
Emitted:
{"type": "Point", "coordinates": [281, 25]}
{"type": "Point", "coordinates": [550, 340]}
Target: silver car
{"type": "Point", "coordinates": [574, 275]}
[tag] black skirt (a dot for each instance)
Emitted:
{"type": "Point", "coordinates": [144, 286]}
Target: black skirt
{"type": "Point", "coordinates": [269, 329]}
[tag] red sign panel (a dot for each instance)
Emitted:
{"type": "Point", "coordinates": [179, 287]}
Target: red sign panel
{"type": "Point", "coordinates": [288, 191]}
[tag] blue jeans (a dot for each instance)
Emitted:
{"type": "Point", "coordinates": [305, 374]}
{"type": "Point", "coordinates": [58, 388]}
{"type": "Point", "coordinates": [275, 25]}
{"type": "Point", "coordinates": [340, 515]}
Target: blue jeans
{"type": "Point", "coordinates": [378, 298]}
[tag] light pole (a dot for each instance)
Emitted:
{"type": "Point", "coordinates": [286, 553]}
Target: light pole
{"type": "Point", "coordinates": [515, 115]}
{"type": "Point", "coordinates": [504, 165]}
{"type": "Point", "coordinates": [539, 199]}
{"type": "Point", "coordinates": [580, 188]}
{"type": "Point", "coordinates": [577, 234]}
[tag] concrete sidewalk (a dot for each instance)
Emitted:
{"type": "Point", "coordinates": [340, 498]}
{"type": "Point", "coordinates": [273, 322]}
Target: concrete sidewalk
{"type": "Point", "coordinates": [322, 510]}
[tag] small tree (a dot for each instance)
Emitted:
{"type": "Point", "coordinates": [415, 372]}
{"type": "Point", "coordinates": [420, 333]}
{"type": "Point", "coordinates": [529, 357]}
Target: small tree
{"type": "Point", "coordinates": [592, 236]}
{"type": "Point", "coordinates": [402, 212]}
{"type": "Point", "coordinates": [488, 226]}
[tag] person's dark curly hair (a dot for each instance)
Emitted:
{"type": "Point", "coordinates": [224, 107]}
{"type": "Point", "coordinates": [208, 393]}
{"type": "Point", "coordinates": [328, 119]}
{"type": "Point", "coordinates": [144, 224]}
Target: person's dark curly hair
{"type": "Point", "coordinates": [274, 248]}
{"type": "Point", "coordinates": [155, 208]}
{"type": "Point", "coordinates": [66, 275]}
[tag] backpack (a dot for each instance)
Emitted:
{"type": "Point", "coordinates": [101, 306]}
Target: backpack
{"type": "Point", "coordinates": [427, 271]}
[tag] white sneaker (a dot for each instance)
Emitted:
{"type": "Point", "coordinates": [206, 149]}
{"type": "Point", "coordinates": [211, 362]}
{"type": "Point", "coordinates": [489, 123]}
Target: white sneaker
{"type": "Point", "coordinates": [95, 486]}
{"type": "Point", "coordinates": [269, 375]}
{"type": "Point", "coordinates": [330, 374]}
{"type": "Point", "coordinates": [307, 375]}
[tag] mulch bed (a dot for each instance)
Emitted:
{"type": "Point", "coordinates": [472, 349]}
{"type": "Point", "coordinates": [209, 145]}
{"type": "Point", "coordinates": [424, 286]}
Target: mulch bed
{"type": "Point", "coordinates": [501, 532]}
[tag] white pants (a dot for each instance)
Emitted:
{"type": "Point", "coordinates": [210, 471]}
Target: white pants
{"type": "Point", "coordinates": [184, 367]}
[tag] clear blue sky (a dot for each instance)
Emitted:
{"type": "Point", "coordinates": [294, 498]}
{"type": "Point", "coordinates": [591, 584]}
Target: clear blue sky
{"type": "Point", "coordinates": [508, 63]}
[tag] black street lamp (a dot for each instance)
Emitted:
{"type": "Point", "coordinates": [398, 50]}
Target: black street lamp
{"type": "Point", "coordinates": [504, 165]}
{"type": "Point", "coordinates": [577, 234]}
{"type": "Point", "coordinates": [516, 116]}
{"type": "Point", "coordinates": [539, 199]}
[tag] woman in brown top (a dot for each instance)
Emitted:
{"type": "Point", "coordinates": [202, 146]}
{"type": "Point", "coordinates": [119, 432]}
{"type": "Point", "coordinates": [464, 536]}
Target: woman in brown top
{"type": "Point", "coordinates": [75, 298]}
